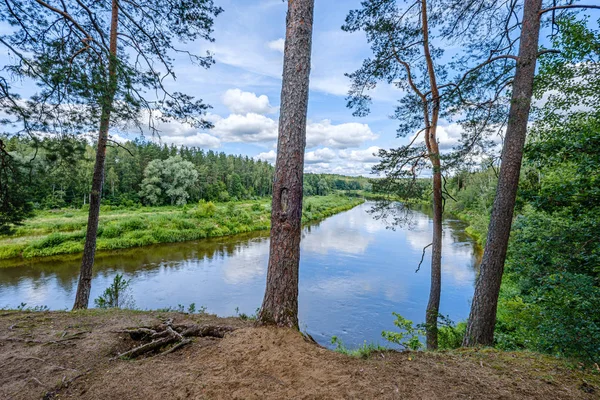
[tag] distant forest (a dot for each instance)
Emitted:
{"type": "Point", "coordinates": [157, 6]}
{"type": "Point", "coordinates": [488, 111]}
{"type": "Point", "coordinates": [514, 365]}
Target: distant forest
{"type": "Point", "coordinates": [56, 172]}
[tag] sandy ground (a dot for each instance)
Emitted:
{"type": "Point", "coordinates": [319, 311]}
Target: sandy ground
{"type": "Point", "coordinates": [68, 355]}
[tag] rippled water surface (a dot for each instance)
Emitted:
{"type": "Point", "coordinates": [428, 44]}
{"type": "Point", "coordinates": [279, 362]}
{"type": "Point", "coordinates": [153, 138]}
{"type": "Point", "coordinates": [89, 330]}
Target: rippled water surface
{"type": "Point", "coordinates": [353, 274]}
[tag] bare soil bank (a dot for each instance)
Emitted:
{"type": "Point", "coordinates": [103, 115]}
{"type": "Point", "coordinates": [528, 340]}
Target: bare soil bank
{"type": "Point", "coordinates": [68, 355]}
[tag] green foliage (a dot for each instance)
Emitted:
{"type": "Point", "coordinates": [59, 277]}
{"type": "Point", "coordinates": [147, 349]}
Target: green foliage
{"type": "Point", "coordinates": [169, 181]}
{"type": "Point", "coordinates": [205, 209]}
{"type": "Point", "coordinates": [407, 337]}
{"type": "Point", "coordinates": [473, 195]}
{"type": "Point", "coordinates": [450, 336]}
{"type": "Point", "coordinates": [59, 179]}
{"type": "Point", "coordinates": [63, 231]}
{"type": "Point", "coordinates": [14, 199]}
{"type": "Point", "coordinates": [246, 317]}
{"type": "Point", "coordinates": [364, 351]}
{"type": "Point", "coordinates": [193, 310]}
{"type": "Point", "coordinates": [116, 295]}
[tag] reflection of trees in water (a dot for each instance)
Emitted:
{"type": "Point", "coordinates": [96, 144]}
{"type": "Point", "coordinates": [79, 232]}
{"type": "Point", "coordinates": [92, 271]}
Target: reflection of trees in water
{"type": "Point", "coordinates": [140, 260]}
{"type": "Point", "coordinates": [397, 215]}
{"type": "Point", "coordinates": [393, 214]}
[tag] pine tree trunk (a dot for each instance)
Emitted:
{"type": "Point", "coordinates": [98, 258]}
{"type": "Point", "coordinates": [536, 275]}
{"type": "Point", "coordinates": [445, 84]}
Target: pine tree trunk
{"type": "Point", "coordinates": [482, 319]}
{"type": "Point", "coordinates": [84, 286]}
{"type": "Point", "coordinates": [433, 306]}
{"type": "Point", "coordinates": [280, 304]}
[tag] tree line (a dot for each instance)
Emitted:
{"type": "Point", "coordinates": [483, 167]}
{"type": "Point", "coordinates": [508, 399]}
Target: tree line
{"type": "Point", "coordinates": [55, 172]}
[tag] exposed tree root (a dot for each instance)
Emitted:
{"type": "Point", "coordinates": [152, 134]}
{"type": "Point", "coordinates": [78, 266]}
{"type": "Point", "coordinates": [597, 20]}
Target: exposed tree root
{"type": "Point", "coordinates": [167, 338]}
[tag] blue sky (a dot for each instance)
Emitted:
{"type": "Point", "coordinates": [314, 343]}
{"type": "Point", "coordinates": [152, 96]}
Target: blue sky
{"type": "Point", "coordinates": [245, 83]}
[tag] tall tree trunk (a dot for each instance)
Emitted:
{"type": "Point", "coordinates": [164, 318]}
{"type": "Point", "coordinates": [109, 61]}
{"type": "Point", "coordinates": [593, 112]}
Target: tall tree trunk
{"type": "Point", "coordinates": [84, 286]}
{"type": "Point", "coordinates": [280, 304]}
{"type": "Point", "coordinates": [482, 319]}
{"type": "Point", "coordinates": [433, 306]}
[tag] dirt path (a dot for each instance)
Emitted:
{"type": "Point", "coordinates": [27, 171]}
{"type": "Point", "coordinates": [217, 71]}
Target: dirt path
{"type": "Point", "coordinates": [68, 355]}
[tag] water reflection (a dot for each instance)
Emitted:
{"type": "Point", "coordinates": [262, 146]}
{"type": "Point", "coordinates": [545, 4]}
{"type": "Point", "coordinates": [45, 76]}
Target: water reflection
{"type": "Point", "coordinates": [354, 272]}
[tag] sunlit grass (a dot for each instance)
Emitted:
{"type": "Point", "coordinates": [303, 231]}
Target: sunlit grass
{"type": "Point", "coordinates": [63, 231]}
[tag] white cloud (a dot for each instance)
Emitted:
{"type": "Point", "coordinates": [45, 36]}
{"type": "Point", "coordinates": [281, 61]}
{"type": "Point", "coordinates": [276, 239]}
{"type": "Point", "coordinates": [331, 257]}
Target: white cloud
{"type": "Point", "coordinates": [340, 136]}
{"type": "Point", "coordinates": [239, 102]}
{"type": "Point", "coordinates": [277, 45]}
{"type": "Point", "coordinates": [256, 128]}
{"type": "Point", "coordinates": [249, 128]}
{"type": "Point", "coordinates": [342, 168]}
{"type": "Point", "coordinates": [449, 136]}
{"type": "Point", "coordinates": [269, 156]}
{"type": "Point", "coordinates": [319, 156]}
{"type": "Point", "coordinates": [366, 155]}
{"type": "Point", "coordinates": [196, 140]}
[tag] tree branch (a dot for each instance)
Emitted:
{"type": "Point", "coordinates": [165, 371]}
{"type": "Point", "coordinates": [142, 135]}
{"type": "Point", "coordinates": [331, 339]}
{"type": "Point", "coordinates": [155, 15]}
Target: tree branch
{"type": "Point", "coordinates": [545, 10]}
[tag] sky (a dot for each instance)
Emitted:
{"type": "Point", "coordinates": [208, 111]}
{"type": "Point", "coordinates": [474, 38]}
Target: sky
{"type": "Point", "coordinates": [244, 84]}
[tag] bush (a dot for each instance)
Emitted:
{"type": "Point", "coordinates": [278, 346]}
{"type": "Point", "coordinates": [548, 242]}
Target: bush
{"type": "Point", "coordinates": [205, 209]}
{"type": "Point", "coordinates": [408, 337]}
{"type": "Point", "coordinates": [450, 336]}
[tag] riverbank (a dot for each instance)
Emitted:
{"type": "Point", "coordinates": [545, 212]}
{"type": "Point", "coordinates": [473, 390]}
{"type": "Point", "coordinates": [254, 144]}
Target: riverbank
{"type": "Point", "coordinates": [72, 355]}
{"type": "Point", "coordinates": [63, 231]}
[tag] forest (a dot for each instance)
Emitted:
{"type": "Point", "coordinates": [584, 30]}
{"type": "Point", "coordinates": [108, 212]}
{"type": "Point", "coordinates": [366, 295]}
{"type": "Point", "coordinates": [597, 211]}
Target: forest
{"type": "Point", "coordinates": [385, 199]}
{"type": "Point", "coordinates": [56, 173]}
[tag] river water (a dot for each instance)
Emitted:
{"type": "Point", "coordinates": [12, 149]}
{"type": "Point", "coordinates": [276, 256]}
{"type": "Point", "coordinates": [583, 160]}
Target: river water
{"type": "Point", "coordinates": [354, 272]}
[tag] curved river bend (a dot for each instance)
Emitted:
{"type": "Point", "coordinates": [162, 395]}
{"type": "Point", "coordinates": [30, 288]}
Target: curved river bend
{"type": "Point", "coordinates": [353, 274]}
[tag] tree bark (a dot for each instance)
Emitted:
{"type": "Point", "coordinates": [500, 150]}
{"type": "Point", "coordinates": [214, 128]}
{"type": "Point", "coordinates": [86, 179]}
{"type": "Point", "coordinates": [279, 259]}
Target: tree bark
{"type": "Point", "coordinates": [433, 306]}
{"type": "Point", "coordinates": [482, 319]}
{"type": "Point", "coordinates": [84, 286]}
{"type": "Point", "coordinates": [280, 304]}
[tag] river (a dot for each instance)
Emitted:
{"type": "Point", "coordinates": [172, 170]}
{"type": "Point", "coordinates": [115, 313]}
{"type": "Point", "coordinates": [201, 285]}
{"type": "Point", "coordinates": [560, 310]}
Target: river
{"type": "Point", "coordinates": [354, 272]}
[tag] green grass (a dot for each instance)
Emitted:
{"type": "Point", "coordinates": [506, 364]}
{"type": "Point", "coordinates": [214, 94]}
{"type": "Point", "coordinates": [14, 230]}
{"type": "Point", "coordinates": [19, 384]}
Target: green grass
{"type": "Point", "coordinates": [63, 231]}
{"type": "Point", "coordinates": [364, 351]}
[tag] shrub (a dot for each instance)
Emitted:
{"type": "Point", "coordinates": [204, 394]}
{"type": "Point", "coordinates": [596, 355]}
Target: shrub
{"type": "Point", "coordinates": [205, 209]}
{"type": "Point", "coordinates": [408, 337]}
{"type": "Point", "coordinates": [116, 295]}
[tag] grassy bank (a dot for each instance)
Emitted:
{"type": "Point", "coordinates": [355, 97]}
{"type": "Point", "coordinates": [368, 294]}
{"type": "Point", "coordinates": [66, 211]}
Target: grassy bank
{"type": "Point", "coordinates": [477, 225]}
{"type": "Point", "coordinates": [63, 231]}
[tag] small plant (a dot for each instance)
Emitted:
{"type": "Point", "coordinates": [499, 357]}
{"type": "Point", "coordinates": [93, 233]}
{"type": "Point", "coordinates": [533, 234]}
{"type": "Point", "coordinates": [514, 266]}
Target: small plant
{"type": "Point", "coordinates": [23, 307]}
{"type": "Point", "coordinates": [193, 310]}
{"type": "Point", "coordinates": [116, 295]}
{"type": "Point", "coordinates": [246, 317]}
{"type": "Point", "coordinates": [450, 336]}
{"type": "Point", "coordinates": [257, 207]}
{"type": "Point", "coordinates": [363, 351]}
{"type": "Point", "coordinates": [408, 337]}
{"type": "Point", "coordinates": [205, 209]}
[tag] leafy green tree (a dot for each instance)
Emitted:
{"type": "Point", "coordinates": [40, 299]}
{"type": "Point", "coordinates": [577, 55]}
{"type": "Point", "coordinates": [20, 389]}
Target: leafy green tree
{"type": "Point", "coordinates": [503, 47]}
{"type": "Point", "coordinates": [168, 181]}
{"type": "Point", "coordinates": [14, 204]}
{"type": "Point", "coordinates": [93, 62]}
